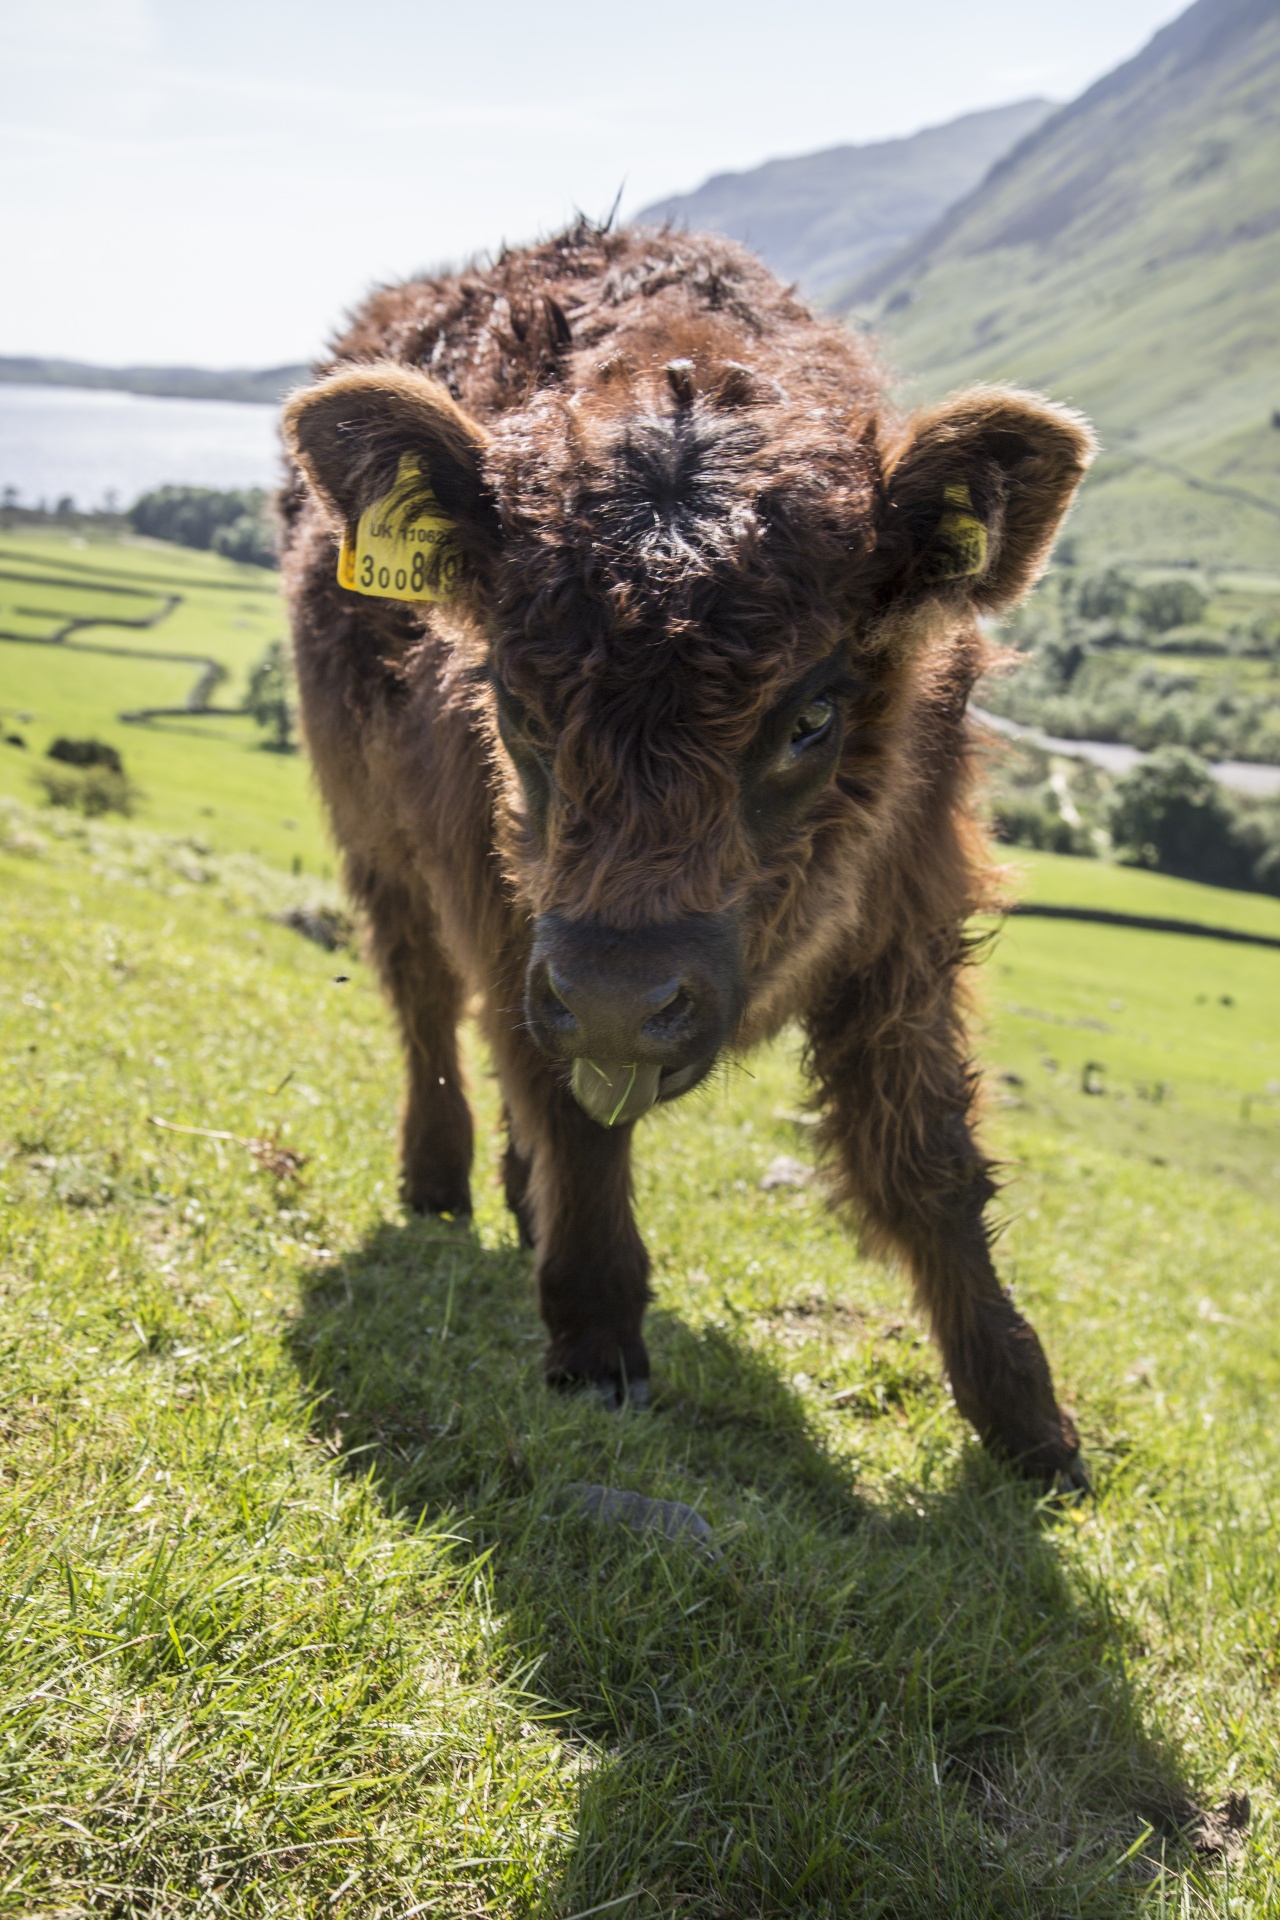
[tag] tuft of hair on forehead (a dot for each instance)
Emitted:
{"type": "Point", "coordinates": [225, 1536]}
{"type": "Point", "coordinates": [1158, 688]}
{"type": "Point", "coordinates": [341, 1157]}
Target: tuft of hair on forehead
{"type": "Point", "coordinates": [676, 481]}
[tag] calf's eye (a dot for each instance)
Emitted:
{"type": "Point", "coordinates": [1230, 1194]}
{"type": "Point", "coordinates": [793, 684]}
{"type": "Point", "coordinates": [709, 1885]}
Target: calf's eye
{"type": "Point", "coordinates": [811, 724]}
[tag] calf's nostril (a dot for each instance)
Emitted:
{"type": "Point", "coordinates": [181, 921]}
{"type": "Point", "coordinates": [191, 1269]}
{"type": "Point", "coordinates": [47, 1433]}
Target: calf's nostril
{"type": "Point", "coordinates": [669, 1023]}
{"type": "Point", "coordinates": [661, 997]}
{"type": "Point", "coordinates": [555, 1011]}
{"type": "Point", "coordinates": [559, 988]}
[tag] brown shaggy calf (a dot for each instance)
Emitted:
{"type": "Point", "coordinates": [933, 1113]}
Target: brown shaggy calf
{"type": "Point", "coordinates": [663, 745]}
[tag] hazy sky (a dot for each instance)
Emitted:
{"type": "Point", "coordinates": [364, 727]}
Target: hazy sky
{"type": "Point", "coordinates": [214, 181]}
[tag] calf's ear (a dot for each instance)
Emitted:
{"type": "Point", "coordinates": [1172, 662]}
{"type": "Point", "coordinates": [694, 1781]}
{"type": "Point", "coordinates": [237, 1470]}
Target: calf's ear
{"type": "Point", "coordinates": [974, 494]}
{"type": "Point", "coordinates": [383, 430]}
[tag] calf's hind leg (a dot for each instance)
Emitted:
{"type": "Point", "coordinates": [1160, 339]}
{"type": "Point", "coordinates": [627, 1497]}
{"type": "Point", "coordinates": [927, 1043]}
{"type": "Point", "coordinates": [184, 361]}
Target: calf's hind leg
{"type": "Point", "coordinates": [436, 1133]}
{"type": "Point", "coordinates": [891, 1060]}
{"type": "Point", "coordinates": [517, 1169]}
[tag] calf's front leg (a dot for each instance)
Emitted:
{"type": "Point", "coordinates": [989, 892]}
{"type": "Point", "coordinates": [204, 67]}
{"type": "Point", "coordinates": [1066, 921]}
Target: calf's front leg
{"type": "Point", "coordinates": [574, 1201]}
{"type": "Point", "coordinates": [888, 1051]}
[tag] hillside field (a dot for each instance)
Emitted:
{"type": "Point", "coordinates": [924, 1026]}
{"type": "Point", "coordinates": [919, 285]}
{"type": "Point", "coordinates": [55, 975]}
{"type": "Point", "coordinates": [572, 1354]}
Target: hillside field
{"type": "Point", "coordinates": [1123, 258]}
{"type": "Point", "coordinates": [300, 1617]}
{"type": "Point", "coordinates": [202, 775]}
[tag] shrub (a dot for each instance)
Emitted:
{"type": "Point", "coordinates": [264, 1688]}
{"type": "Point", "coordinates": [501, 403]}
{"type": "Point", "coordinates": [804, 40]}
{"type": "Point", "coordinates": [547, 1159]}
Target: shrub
{"type": "Point", "coordinates": [1170, 813]}
{"type": "Point", "coordinates": [1259, 830]}
{"type": "Point", "coordinates": [1171, 603]}
{"type": "Point", "coordinates": [1061, 660]}
{"type": "Point", "coordinates": [269, 701]}
{"type": "Point", "coordinates": [249, 539]}
{"type": "Point", "coordinates": [90, 790]}
{"type": "Point", "coordinates": [1263, 736]}
{"type": "Point", "coordinates": [1032, 823]}
{"type": "Point", "coordinates": [1105, 596]}
{"type": "Point", "coordinates": [86, 753]}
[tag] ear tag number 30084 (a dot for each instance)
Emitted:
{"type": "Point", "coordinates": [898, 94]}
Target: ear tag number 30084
{"type": "Point", "coordinates": [396, 559]}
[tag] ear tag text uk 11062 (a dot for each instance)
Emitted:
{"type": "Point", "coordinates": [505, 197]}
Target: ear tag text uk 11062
{"type": "Point", "coordinates": [962, 533]}
{"type": "Point", "coordinates": [396, 558]}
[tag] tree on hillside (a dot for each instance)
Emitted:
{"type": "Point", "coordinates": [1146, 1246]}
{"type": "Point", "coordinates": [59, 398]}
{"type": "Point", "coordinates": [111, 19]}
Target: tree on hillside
{"type": "Point", "coordinates": [235, 522]}
{"type": "Point", "coordinates": [269, 698]}
{"type": "Point", "coordinates": [1170, 603]}
{"type": "Point", "coordinates": [1170, 813]}
{"type": "Point", "coordinates": [1260, 837]}
{"type": "Point", "coordinates": [1105, 596]}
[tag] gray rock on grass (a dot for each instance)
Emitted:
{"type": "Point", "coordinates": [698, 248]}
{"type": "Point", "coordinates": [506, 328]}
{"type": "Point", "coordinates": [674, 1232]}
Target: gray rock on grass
{"type": "Point", "coordinates": [612, 1506]}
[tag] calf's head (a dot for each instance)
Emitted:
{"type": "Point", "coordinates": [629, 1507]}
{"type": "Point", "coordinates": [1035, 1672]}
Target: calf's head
{"type": "Point", "coordinates": [706, 611]}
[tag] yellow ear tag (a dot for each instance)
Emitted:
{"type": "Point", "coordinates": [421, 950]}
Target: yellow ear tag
{"type": "Point", "coordinates": [961, 531]}
{"type": "Point", "coordinates": [396, 559]}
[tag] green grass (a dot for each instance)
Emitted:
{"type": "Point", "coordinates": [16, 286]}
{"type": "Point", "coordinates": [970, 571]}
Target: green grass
{"type": "Point", "coordinates": [297, 1620]}
{"type": "Point", "coordinates": [1058, 880]}
{"type": "Point", "coordinates": [207, 777]}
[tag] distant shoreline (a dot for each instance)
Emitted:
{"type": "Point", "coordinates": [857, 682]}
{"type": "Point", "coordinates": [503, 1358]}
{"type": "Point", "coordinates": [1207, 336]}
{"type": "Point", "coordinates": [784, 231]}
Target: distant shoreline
{"type": "Point", "coordinates": [94, 447]}
{"type": "Point", "coordinates": [259, 387]}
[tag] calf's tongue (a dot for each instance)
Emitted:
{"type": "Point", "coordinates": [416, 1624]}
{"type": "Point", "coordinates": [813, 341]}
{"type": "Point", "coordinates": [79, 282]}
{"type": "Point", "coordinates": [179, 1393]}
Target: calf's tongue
{"type": "Point", "coordinates": [613, 1092]}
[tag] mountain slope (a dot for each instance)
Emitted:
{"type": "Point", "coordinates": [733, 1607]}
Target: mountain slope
{"type": "Point", "coordinates": [1126, 257]}
{"type": "Point", "coordinates": [823, 219]}
{"type": "Point", "coordinates": [264, 388]}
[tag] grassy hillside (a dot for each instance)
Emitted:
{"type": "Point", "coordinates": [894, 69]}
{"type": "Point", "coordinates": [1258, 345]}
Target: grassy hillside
{"type": "Point", "coordinates": [1054, 880]}
{"type": "Point", "coordinates": [1186, 657]}
{"type": "Point", "coordinates": [302, 1619]}
{"type": "Point", "coordinates": [199, 774]}
{"type": "Point", "coordinates": [1176, 1039]}
{"type": "Point", "coordinates": [824, 219]}
{"type": "Point", "coordinates": [1124, 258]}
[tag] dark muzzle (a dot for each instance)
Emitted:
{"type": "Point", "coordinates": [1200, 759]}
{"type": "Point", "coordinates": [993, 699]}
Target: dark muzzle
{"type": "Point", "coordinates": [641, 1014]}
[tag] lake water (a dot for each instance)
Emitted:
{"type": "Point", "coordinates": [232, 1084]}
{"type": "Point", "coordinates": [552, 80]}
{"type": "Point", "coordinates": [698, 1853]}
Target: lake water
{"type": "Point", "coordinates": [104, 449]}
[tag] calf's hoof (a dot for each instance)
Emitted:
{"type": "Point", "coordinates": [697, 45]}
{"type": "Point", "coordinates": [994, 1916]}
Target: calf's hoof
{"type": "Point", "coordinates": [635, 1394]}
{"type": "Point", "coordinates": [446, 1216]}
{"type": "Point", "coordinates": [438, 1200]}
{"type": "Point", "coordinates": [616, 1372]}
{"type": "Point", "coordinates": [1051, 1459]}
{"type": "Point", "coordinates": [1003, 1386]}
{"type": "Point", "coordinates": [1072, 1479]}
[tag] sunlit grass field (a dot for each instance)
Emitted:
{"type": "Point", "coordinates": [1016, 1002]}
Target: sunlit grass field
{"type": "Point", "coordinates": [1178, 1039]}
{"type": "Point", "coordinates": [301, 1618]}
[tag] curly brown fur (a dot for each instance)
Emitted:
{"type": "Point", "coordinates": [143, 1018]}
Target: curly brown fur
{"type": "Point", "coordinates": [684, 509]}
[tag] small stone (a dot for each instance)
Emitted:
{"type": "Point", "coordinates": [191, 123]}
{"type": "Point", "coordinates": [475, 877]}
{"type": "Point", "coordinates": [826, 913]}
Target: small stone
{"type": "Point", "coordinates": [615, 1507]}
{"type": "Point", "coordinates": [329, 927]}
{"type": "Point", "coordinates": [785, 1172]}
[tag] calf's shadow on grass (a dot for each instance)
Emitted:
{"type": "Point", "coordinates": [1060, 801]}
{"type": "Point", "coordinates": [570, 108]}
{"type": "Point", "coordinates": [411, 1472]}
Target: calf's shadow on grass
{"type": "Point", "coordinates": [897, 1705]}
